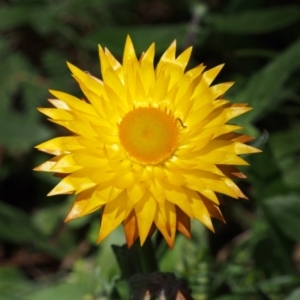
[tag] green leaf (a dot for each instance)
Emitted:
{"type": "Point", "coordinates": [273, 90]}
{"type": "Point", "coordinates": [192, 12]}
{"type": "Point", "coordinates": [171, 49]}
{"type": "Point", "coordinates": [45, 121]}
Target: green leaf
{"type": "Point", "coordinates": [285, 146]}
{"type": "Point", "coordinates": [11, 17]}
{"type": "Point", "coordinates": [105, 259]}
{"type": "Point", "coordinates": [12, 283]}
{"type": "Point", "coordinates": [295, 295]}
{"type": "Point", "coordinates": [20, 133]}
{"type": "Point", "coordinates": [142, 36]}
{"type": "Point", "coordinates": [251, 22]}
{"type": "Point", "coordinates": [48, 219]}
{"type": "Point", "coordinates": [123, 289]}
{"type": "Point", "coordinates": [83, 283]}
{"type": "Point", "coordinates": [263, 86]}
{"type": "Point", "coordinates": [285, 143]}
{"type": "Point", "coordinates": [21, 229]}
{"type": "Point", "coordinates": [285, 212]}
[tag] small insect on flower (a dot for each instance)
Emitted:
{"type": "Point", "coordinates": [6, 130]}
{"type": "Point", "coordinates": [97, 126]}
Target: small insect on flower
{"type": "Point", "coordinates": [151, 146]}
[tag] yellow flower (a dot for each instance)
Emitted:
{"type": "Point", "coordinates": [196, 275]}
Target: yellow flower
{"type": "Point", "coordinates": [150, 146]}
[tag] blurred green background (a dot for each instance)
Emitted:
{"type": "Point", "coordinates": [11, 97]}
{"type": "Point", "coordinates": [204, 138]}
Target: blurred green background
{"type": "Point", "coordinates": [256, 255]}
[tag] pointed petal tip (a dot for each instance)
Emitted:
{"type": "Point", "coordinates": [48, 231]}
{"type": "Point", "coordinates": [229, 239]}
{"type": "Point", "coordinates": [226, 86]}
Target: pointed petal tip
{"type": "Point", "coordinates": [243, 196]}
{"type": "Point", "coordinates": [129, 244]}
{"type": "Point", "coordinates": [52, 193]}
{"type": "Point", "coordinates": [52, 91]}
{"type": "Point", "coordinates": [128, 39]}
{"type": "Point", "coordinates": [170, 243]}
{"type": "Point", "coordinates": [68, 218]}
{"type": "Point", "coordinates": [72, 67]}
{"type": "Point", "coordinates": [38, 168]}
{"type": "Point", "coordinates": [100, 238]}
{"type": "Point", "coordinates": [211, 228]}
{"type": "Point", "coordinates": [57, 191]}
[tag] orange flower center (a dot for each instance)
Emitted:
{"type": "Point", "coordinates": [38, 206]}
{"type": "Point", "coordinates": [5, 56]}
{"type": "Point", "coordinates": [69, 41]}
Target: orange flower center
{"type": "Point", "coordinates": [148, 135]}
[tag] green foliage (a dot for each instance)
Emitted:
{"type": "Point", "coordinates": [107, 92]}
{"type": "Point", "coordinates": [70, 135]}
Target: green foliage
{"type": "Point", "coordinates": [256, 21]}
{"type": "Point", "coordinates": [256, 254]}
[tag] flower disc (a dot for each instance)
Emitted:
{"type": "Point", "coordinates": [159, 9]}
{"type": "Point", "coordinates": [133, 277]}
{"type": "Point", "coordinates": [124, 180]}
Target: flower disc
{"type": "Point", "coordinates": [148, 135]}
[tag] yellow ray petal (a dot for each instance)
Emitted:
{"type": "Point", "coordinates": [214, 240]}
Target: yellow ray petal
{"type": "Point", "coordinates": [74, 103]}
{"type": "Point", "coordinates": [46, 166]}
{"type": "Point", "coordinates": [156, 187]}
{"type": "Point", "coordinates": [113, 215]}
{"type": "Point", "coordinates": [167, 57]}
{"type": "Point", "coordinates": [229, 146]}
{"type": "Point", "coordinates": [200, 211]}
{"type": "Point", "coordinates": [66, 143]}
{"type": "Point", "coordinates": [135, 193]}
{"type": "Point", "coordinates": [222, 158]}
{"type": "Point", "coordinates": [237, 137]}
{"type": "Point", "coordinates": [184, 57]}
{"type": "Point", "coordinates": [195, 72]}
{"type": "Point", "coordinates": [147, 69]}
{"type": "Point", "coordinates": [116, 85]}
{"type": "Point", "coordinates": [166, 224]}
{"type": "Point", "coordinates": [65, 164]}
{"type": "Point", "coordinates": [177, 195]}
{"type": "Point", "coordinates": [114, 63]}
{"type": "Point", "coordinates": [234, 188]}
{"type": "Point", "coordinates": [129, 52]}
{"type": "Point", "coordinates": [76, 210]}
{"type": "Point", "coordinates": [57, 114]}
{"type": "Point", "coordinates": [231, 171]}
{"type": "Point", "coordinates": [160, 87]}
{"type": "Point", "coordinates": [213, 209]}
{"type": "Point", "coordinates": [108, 61]}
{"type": "Point", "coordinates": [211, 74]}
{"type": "Point", "coordinates": [59, 104]}
{"type": "Point", "coordinates": [131, 229]}
{"type": "Point", "coordinates": [87, 82]}
{"type": "Point", "coordinates": [85, 203]}
{"type": "Point", "coordinates": [78, 127]}
{"type": "Point", "coordinates": [145, 211]}
{"type": "Point", "coordinates": [78, 180]}
{"type": "Point", "coordinates": [220, 89]}
{"type": "Point", "coordinates": [183, 223]}
{"type": "Point", "coordinates": [174, 178]}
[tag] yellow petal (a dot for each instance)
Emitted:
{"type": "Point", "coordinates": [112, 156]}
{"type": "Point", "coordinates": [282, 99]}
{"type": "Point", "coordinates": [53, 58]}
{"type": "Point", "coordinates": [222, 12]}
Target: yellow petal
{"type": "Point", "coordinates": [165, 221]}
{"type": "Point", "coordinates": [220, 89]}
{"type": "Point", "coordinates": [74, 103]}
{"type": "Point", "coordinates": [78, 180]}
{"type": "Point", "coordinates": [184, 57]}
{"type": "Point", "coordinates": [211, 74]}
{"type": "Point", "coordinates": [177, 195]}
{"type": "Point", "coordinates": [200, 211]}
{"type": "Point", "coordinates": [113, 215]}
{"type": "Point", "coordinates": [147, 69]}
{"type": "Point", "coordinates": [183, 223]}
{"type": "Point", "coordinates": [213, 209]}
{"type": "Point", "coordinates": [85, 203]}
{"type": "Point", "coordinates": [66, 143]}
{"type": "Point", "coordinates": [167, 57]}
{"type": "Point", "coordinates": [131, 229]}
{"type": "Point", "coordinates": [145, 211]}
{"type": "Point", "coordinates": [129, 55]}
{"type": "Point", "coordinates": [46, 166]}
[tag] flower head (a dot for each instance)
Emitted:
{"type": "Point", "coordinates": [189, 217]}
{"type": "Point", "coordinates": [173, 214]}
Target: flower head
{"type": "Point", "coordinates": [150, 147]}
